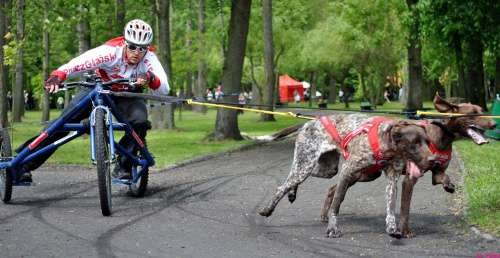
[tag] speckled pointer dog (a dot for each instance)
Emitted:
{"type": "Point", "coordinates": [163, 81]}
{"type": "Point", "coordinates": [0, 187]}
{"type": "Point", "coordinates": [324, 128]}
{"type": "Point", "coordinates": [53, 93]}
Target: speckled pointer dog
{"type": "Point", "coordinates": [317, 154]}
{"type": "Point", "coordinates": [441, 135]}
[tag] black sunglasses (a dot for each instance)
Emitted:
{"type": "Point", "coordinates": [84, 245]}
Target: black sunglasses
{"type": "Point", "coordinates": [134, 47]}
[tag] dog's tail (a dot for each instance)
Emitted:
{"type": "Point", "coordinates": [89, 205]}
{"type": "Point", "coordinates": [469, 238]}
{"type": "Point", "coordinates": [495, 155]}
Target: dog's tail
{"type": "Point", "coordinates": [269, 138]}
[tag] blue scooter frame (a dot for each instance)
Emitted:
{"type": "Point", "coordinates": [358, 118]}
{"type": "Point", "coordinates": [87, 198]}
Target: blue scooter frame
{"type": "Point", "coordinates": [100, 99]}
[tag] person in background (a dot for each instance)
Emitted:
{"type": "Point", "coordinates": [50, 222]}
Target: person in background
{"type": "Point", "coordinates": [129, 56]}
{"type": "Point", "coordinates": [9, 100]}
{"type": "Point", "coordinates": [386, 96]}
{"type": "Point", "coordinates": [26, 105]}
{"type": "Point", "coordinates": [242, 102]}
{"type": "Point", "coordinates": [297, 96]}
{"type": "Point", "coordinates": [60, 102]}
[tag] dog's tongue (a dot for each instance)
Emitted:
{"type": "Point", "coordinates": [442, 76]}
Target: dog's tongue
{"type": "Point", "coordinates": [413, 170]}
{"type": "Point", "coordinates": [476, 137]}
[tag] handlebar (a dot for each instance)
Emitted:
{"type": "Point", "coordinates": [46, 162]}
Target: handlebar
{"type": "Point", "coordinates": [95, 79]}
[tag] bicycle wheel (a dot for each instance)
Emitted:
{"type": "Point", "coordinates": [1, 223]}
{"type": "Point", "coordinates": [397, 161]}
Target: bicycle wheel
{"type": "Point", "coordinates": [102, 160]}
{"type": "Point", "coordinates": [139, 188]}
{"type": "Point", "coordinates": [5, 173]}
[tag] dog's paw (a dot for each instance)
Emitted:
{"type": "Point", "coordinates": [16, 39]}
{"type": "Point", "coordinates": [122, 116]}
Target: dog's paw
{"type": "Point", "coordinates": [324, 218]}
{"type": "Point", "coordinates": [392, 229]}
{"type": "Point", "coordinates": [449, 188]}
{"type": "Point", "coordinates": [333, 232]}
{"type": "Point", "coordinates": [266, 212]}
{"type": "Point", "coordinates": [291, 197]}
{"type": "Point", "coordinates": [407, 232]}
{"type": "Point", "coordinates": [396, 235]}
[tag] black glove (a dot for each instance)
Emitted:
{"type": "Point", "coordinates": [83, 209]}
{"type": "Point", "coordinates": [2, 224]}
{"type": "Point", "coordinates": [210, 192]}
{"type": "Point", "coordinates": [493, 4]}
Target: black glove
{"type": "Point", "coordinates": [148, 76]}
{"type": "Point", "coordinates": [54, 80]}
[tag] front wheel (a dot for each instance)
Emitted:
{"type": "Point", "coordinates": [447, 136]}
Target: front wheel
{"type": "Point", "coordinates": [139, 188]}
{"type": "Point", "coordinates": [5, 173]}
{"type": "Point", "coordinates": [103, 162]}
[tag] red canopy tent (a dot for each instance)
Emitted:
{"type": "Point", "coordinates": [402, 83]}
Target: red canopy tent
{"type": "Point", "coordinates": [287, 88]}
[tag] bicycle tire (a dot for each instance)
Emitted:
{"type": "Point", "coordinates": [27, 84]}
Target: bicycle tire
{"type": "Point", "coordinates": [103, 162]}
{"type": "Point", "coordinates": [5, 173]}
{"type": "Point", "coordinates": [139, 188]}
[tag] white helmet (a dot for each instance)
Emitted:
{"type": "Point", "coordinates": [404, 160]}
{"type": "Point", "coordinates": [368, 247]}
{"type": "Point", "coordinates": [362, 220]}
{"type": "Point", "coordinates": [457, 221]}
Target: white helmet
{"type": "Point", "coordinates": [138, 32]}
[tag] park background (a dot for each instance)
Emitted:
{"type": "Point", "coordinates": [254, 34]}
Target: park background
{"type": "Point", "coordinates": [360, 47]}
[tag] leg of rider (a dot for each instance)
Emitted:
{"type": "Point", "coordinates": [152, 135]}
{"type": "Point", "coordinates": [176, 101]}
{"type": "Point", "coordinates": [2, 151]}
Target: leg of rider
{"type": "Point", "coordinates": [25, 175]}
{"type": "Point", "coordinates": [135, 112]}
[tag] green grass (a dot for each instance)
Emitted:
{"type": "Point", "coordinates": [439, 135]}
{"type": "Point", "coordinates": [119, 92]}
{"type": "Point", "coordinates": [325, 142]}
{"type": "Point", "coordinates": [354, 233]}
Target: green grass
{"type": "Point", "coordinates": [482, 183]}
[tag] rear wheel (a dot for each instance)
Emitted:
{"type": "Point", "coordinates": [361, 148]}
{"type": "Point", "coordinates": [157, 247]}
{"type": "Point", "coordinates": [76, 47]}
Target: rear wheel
{"type": "Point", "coordinates": [139, 188]}
{"type": "Point", "coordinates": [5, 173]}
{"type": "Point", "coordinates": [102, 160]}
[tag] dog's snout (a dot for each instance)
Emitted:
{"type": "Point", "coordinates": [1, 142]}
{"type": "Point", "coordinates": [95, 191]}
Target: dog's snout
{"type": "Point", "coordinates": [493, 125]}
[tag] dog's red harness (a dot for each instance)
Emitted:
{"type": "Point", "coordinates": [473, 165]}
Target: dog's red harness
{"type": "Point", "coordinates": [441, 156]}
{"type": "Point", "coordinates": [372, 130]}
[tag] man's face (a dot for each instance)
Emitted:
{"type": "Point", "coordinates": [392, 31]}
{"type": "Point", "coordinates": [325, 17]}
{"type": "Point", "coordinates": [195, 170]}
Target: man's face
{"type": "Point", "coordinates": [134, 56]}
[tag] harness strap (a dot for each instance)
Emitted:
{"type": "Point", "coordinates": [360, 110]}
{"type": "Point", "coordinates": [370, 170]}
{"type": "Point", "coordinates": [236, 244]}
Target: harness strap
{"type": "Point", "coordinates": [441, 156]}
{"type": "Point", "coordinates": [381, 158]}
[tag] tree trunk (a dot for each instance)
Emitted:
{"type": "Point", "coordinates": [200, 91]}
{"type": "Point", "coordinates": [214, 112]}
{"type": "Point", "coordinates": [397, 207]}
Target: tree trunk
{"type": "Point", "coordinates": [497, 76]}
{"type": "Point", "coordinates": [120, 16]}
{"type": "Point", "coordinates": [267, 20]}
{"type": "Point", "coordinates": [366, 64]}
{"type": "Point", "coordinates": [226, 124]}
{"type": "Point", "coordinates": [475, 87]}
{"type": "Point", "coordinates": [314, 82]}
{"type": "Point", "coordinates": [189, 89]}
{"type": "Point", "coordinates": [428, 94]}
{"type": "Point", "coordinates": [372, 89]}
{"type": "Point", "coordinates": [163, 116]}
{"type": "Point", "coordinates": [381, 84]}
{"type": "Point", "coordinates": [222, 37]}
{"type": "Point", "coordinates": [202, 67]}
{"type": "Point", "coordinates": [333, 90]}
{"type": "Point", "coordinates": [363, 83]}
{"type": "Point", "coordinates": [18, 98]}
{"type": "Point", "coordinates": [256, 98]}
{"type": "Point", "coordinates": [4, 87]}
{"type": "Point", "coordinates": [84, 42]}
{"type": "Point", "coordinates": [462, 92]}
{"type": "Point", "coordinates": [46, 67]}
{"type": "Point", "coordinates": [189, 74]}
{"type": "Point", "coordinates": [415, 100]}
{"type": "Point", "coordinates": [346, 92]}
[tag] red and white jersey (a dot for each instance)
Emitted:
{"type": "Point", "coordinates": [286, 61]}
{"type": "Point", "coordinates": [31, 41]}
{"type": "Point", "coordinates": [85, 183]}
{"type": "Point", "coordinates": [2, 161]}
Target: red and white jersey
{"type": "Point", "coordinates": [110, 61]}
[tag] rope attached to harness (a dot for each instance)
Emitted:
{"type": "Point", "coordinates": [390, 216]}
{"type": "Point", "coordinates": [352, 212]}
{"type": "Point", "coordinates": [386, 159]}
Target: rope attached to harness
{"type": "Point", "coordinates": [289, 114]}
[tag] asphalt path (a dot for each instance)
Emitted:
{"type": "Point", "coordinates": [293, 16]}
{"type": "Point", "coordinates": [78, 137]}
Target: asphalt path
{"type": "Point", "coordinates": [208, 207]}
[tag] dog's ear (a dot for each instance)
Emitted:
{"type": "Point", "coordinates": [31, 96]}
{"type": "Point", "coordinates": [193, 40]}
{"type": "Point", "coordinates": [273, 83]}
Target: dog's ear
{"type": "Point", "coordinates": [397, 130]}
{"type": "Point", "coordinates": [444, 106]}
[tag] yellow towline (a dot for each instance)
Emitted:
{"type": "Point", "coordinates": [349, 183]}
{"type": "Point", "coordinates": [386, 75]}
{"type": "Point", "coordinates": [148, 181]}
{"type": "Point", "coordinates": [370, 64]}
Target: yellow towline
{"type": "Point", "coordinates": [289, 114]}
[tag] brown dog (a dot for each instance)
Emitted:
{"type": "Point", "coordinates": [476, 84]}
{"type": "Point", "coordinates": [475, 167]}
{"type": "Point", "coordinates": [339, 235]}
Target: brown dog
{"type": "Point", "coordinates": [442, 136]}
{"type": "Point", "coordinates": [317, 154]}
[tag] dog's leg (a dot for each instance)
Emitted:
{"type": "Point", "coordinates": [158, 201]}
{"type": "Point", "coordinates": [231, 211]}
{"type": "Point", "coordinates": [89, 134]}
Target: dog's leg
{"type": "Point", "coordinates": [406, 195]}
{"type": "Point", "coordinates": [292, 182]}
{"type": "Point", "coordinates": [440, 177]}
{"type": "Point", "coordinates": [354, 179]}
{"type": "Point", "coordinates": [391, 191]}
{"type": "Point", "coordinates": [348, 170]}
